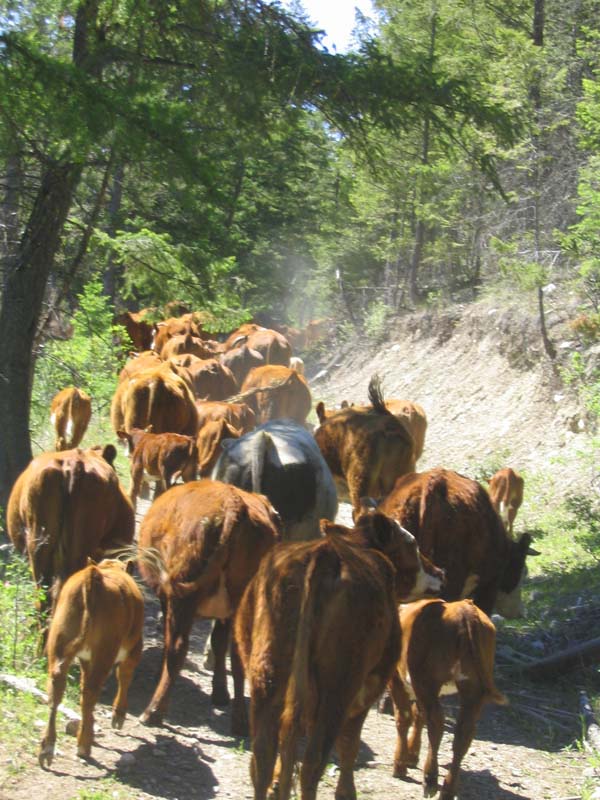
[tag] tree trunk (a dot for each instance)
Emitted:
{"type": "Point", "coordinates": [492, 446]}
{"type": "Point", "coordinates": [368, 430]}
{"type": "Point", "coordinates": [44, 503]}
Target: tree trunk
{"type": "Point", "coordinates": [9, 213]}
{"type": "Point", "coordinates": [25, 285]}
{"type": "Point", "coordinates": [26, 276]}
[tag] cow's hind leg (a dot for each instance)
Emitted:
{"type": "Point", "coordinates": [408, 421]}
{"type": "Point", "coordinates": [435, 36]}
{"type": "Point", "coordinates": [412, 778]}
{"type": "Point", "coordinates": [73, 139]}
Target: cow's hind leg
{"type": "Point", "coordinates": [93, 676]}
{"type": "Point", "coordinates": [430, 706]}
{"type": "Point", "coordinates": [265, 713]}
{"type": "Point", "coordinates": [57, 682]}
{"type": "Point", "coordinates": [239, 716]}
{"type": "Point", "coordinates": [403, 758]}
{"type": "Point", "coordinates": [219, 640]}
{"type": "Point", "coordinates": [470, 709]}
{"type": "Point", "coordinates": [347, 744]}
{"type": "Point", "coordinates": [125, 670]}
{"type": "Point", "coordinates": [320, 742]}
{"type": "Point", "coordinates": [179, 617]}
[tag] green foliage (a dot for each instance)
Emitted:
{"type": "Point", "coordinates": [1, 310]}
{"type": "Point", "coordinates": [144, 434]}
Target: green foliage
{"type": "Point", "coordinates": [376, 321]}
{"type": "Point", "coordinates": [19, 629]}
{"type": "Point", "coordinates": [584, 516]}
{"type": "Point", "coordinates": [585, 380]}
{"type": "Point", "coordinates": [155, 271]}
{"type": "Point", "coordinates": [90, 359]}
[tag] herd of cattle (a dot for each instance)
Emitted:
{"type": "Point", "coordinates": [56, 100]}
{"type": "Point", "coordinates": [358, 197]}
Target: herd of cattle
{"type": "Point", "coordinates": [319, 618]}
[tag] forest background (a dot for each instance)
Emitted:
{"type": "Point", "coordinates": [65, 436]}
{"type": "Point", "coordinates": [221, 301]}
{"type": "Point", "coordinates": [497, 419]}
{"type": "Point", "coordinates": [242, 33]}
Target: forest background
{"type": "Point", "coordinates": [214, 153]}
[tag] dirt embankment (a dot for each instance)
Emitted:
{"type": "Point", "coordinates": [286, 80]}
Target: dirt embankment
{"type": "Point", "coordinates": [490, 393]}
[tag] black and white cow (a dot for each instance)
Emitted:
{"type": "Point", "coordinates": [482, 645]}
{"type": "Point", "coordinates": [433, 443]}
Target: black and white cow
{"type": "Point", "coordinates": [281, 460]}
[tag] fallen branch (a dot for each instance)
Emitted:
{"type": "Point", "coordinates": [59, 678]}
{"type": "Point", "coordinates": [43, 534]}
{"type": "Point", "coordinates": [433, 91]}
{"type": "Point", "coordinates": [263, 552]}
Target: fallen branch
{"type": "Point", "coordinates": [27, 686]}
{"type": "Point", "coordinates": [581, 653]}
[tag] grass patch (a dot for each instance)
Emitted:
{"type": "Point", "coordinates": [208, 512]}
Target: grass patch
{"type": "Point", "coordinates": [22, 716]}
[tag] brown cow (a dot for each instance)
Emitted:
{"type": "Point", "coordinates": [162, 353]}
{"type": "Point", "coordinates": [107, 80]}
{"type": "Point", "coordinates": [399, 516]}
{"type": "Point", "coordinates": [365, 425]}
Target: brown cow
{"type": "Point", "coordinates": [63, 508]}
{"type": "Point", "coordinates": [241, 334]}
{"type": "Point", "coordinates": [139, 362]}
{"type": "Point", "coordinates": [70, 413]}
{"type": "Point", "coordinates": [209, 441]}
{"type": "Point", "coordinates": [273, 346]}
{"type": "Point", "coordinates": [506, 493]}
{"type": "Point", "coordinates": [456, 526]}
{"type": "Point", "coordinates": [366, 450]}
{"type": "Point", "coordinates": [446, 647]}
{"type": "Point", "coordinates": [183, 344]}
{"type": "Point", "coordinates": [240, 360]}
{"type": "Point", "coordinates": [412, 415]}
{"type": "Point", "coordinates": [139, 331]}
{"type": "Point", "coordinates": [238, 415]}
{"type": "Point", "coordinates": [99, 619]}
{"type": "Point", "coordinates": [318, 634]}
{"type": "Point", "coordinates": [174, 326]}
{"type": "Point", "coordinates": [211, 380]}
{"type": "Point", "coordinates": [287, 394]}
{"type": "Point", "coordinates": [210, 538]}
{"type": "Point", "coordinates": [157, 397]}
{"type": "Point", "coordinates": [162, 457]}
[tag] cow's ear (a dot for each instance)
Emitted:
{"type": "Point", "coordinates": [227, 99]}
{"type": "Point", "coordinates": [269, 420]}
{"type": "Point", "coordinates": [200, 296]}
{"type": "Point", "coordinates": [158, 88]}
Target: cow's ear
{"type": "Point", "coordinates": [129, 566]}
{"type": "Point", "coordinates": [320, 409]}
{"type": "Point", "coordinates": [109, 453]}
{"type": "Point", "coordinates": [344, 404]}
{"type": "Point", "coordinates": [382, 530]}
{"type": "Point", "coordinates": [91, 562]}
{"type": "Point", "coordinates": [122, 435]}
{"type": "Point", "coordinates": [525, 547]}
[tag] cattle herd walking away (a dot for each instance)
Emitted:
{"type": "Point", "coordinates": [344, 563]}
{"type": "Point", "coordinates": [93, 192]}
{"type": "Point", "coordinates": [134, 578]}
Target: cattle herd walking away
{"type": "Point", "coordinates": [319, 618]}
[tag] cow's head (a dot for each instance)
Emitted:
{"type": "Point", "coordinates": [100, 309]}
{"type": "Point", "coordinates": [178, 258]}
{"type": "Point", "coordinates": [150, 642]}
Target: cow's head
{"type": "Point", "coordinates": [416, 577]}
{"type": "Point", "coordinates": [509, 602]}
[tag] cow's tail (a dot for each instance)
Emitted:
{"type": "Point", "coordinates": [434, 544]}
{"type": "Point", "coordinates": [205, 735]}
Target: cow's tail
{"type": "Point", "coordinates": [478, 646]}
{"type": "Point", "coordinates": [376, 396]}
{"type": "Point", "coordinates": [301, 695]}
{"type": "Point", "coordinates": [92, 598]}
{"type": "Point", "coordinates": [74, 411]}
{"type": "Point", "coordinates": [66, 534]}
{"type": "Point", "coordinates": [432, 506]}
{"type": "Point", "coordinates": [260, 445]}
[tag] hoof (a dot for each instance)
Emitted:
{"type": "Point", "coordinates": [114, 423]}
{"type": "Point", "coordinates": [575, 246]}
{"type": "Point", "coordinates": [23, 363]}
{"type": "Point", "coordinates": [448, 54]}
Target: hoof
{"type": "Point", "coordinates": [400, 771]}
{"type": "Point", "coordinates": [273, 793]}
{"type": "Point", "coordinates": [220, 697]}
{"type": "Point", "coordinates": [84, 753]}
{"type": "Point", "coordinates": [430, 787]}
{"type": "Point", "coordinates": [45, 756]}
{"type": "Point", "coordinates": [117, 720]}
{"type": "Point", "coordinates": [152, 718]}
{"type": "Point", "coordinates": [239, 723]}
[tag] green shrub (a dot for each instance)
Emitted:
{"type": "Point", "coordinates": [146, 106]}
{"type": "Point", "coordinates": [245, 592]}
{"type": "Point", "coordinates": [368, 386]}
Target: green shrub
{"type": "Point", "coordinates": [89, 360]}
{"type": "Point", "coordinates": [19, 630]}
{"type": "Point", "coordinates": [376, 320]}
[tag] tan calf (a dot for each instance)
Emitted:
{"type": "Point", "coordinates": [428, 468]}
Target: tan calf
{"type": "Point", "coordinates": [99, 619]}
{"type": "Point", "coordinates": [446, 648]}
{"type": "Point", "coordinates": [506, 493]}
{"type": "Point", "coordinates": [70, 413]}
